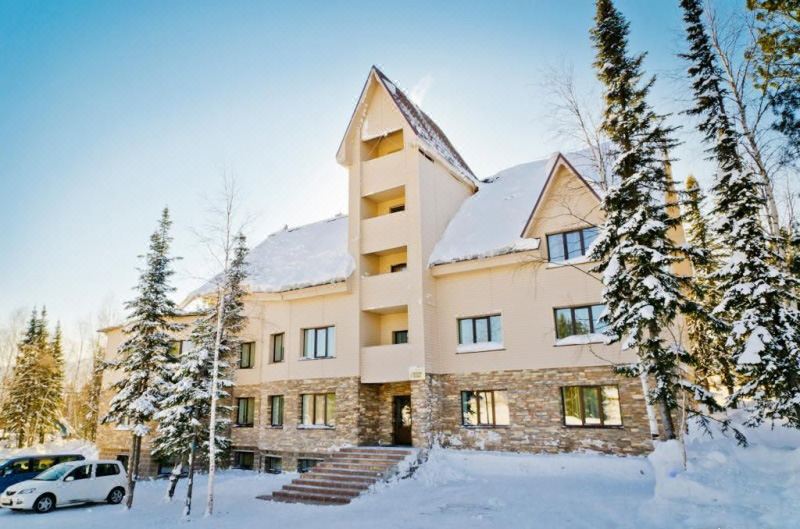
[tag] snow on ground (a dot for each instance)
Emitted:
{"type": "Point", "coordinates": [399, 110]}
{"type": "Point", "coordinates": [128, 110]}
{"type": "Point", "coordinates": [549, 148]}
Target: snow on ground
{"type": "Point", "coordinates": [725, 486]}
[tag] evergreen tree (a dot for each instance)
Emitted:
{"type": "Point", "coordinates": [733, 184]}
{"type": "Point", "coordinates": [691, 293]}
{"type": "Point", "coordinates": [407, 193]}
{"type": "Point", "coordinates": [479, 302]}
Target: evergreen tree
{"type": "Point", "coordinates": [642, 293]}
{"type": "Point", "coordinates": [757, 298]}
{"type": "Point", "coordinates": [706, 333]}
{"type": "Point", "coordinates": [144, 355]}
{"type": "Point", "coordinates": [778, 62]}
{"type": "Point", "coordinates": [90, 396]}
{"type": "Point", "coordinates": [51, 402]}
{"type": "Point", "coordinates": [15, 414]}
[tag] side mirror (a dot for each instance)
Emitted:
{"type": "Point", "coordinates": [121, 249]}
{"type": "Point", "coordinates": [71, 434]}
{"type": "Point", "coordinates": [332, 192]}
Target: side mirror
{"type": "Point", "coordinates": [69, 478]}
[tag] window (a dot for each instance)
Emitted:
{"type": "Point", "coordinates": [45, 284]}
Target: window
{"type": "Point", "coordinates": [276, 410]}
{"type": "Point", "coordinates": [570, 244]}
{"type": "Point", "coordinates": [318, 409]}
{"type": "Point", "coordinates": [484, 408]}
{"type": "Point", "coordinates": [573, 321]}
{"type": "Point", "coordinates": [320, 342]}
{"type": "Point", "coordinates": [247, 352]}
{"type": "Point", "coordinates": [480, 330]}
{"type": "Point", "coordinates": [277, 347]}
{"type": "Point", "coordinates": [273, 465]}
{"type": "Point", "coordinates": [399, 337]}
{"type": "Point", "coordinates": [106, 469]}
{"type": "Point", "coordinates": [81, 472]}
{"type": "Point", "coordinates": [246, 411]}
{"type": "Point", "coordinates": [175, 348]}
{"type": "Point", "coordinates": [243, 460]}
{"type": "Point", "coordinates": [43, 463]}
{"type": "Point", "coordinates": [165, 466]}
{"type": "Point", "coordinates": [19, 467]}
{"type": "Point", "coordinates": [591, 406]}
{"type": "Point", "coordinates": [123, 459]}
{"type": "Point", "coordinates": [397, 209]}
{"type": "Point", "coordinates": [399, 267]}
{"type": "Point", "coordinates": [304, 465]}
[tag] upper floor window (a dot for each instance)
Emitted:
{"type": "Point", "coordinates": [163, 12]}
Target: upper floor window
{"type": "Point", "coordinates": [399, 267]}
{"type": "Point", "coordinates": [277, 347]}
{"type": "Point", "coordinates": [577, 321]}
{"type": "Point", "coordinates": [397, 209]}
{"type": "Point", "coordinates": [570, 244]}
{"type": "Point", "coordinates": [245, 413]}
{"type": "Point", "coordinates": [319, 342]}
{"type": "Point", "coordinates": [591, 406]}
{"type": "Point", "coordinates": [399, 337]}
{"type": "Point", "coordinates": [484, 408]}
{"type": "Point", "coordinates": [318, 409]}
{"type": "Point", "coordinates": [483, 329]}
{"type": "Point", "coordinates": [247, 353]}
{"type": "Point", "coordinates": [178, 347]}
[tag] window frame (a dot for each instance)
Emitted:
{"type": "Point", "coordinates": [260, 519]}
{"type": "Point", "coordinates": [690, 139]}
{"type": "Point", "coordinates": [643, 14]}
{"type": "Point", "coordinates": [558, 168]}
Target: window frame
{"type": "Point", "coordinates": [493, 424]}
{"type": "Point", "coordinates": [274, 356]}
{"type": "Point", "coordinates": [599, 389]}
{"type": "Point", "coordinates": [398, 267]}
{"type": "Point", "coordinates": [563, 236]}
{"type": "Point", "coordinates": [488, 318]}
{"type": "Point", "coordinates": [272, 400]}
{"type": "Point", "coordinates": [397, 209]}
{"type": "Point", "coordinates": [306, 467]}
{"type": "Point", "coordinates": [251, 410]}
{"type": "Point", "coordinates": [272, 468]}
{"type": "Point", "coordinates": [328, 353]}
{"type": "Point", "coordinates": [573, 320]}
{"type": "Point", "coordinates": [327, 420]}
{"type": "Point", "coordinates": [397, 333]}
{"type": "Point", "coordinates": [236, 459]}
{"type": "Point", "coordinates": [251, 355]}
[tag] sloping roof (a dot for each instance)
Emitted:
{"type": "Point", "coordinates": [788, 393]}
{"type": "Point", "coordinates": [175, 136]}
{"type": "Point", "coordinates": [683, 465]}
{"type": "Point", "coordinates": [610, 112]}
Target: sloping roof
{"type": "Point", "coordinates": [294, 258]}
{"type": "Point", "coordinates": [490, 222]}
{"type": "Point", "coordinates": [425, 128]}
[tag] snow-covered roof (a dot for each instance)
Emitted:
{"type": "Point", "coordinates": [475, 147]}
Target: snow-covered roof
{"type": "Point", "coordinates": [426, 129]}
{"type": "Point", "coordinates": [491, 222]}
{"type": "Point", "coordinates": [293, 258]}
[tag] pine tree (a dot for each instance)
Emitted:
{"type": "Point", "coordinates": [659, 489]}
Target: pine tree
{"type": "Point", "coordinates": [757, 298]}
{"type": "Point", "coordinates": [90, 396]}
{"type": "Point", "coordinates": [706, 333]}
{"type": "Point", "coordinates": [230, 321]}
{"type": "Point", "coordinates": [51, 402]}
{"type": "Point", "coordinates": [15, 414]}
{"type": "Point", "coordinates": [642, 293]}
{"type": "Point", "coordinates": [144, 356]}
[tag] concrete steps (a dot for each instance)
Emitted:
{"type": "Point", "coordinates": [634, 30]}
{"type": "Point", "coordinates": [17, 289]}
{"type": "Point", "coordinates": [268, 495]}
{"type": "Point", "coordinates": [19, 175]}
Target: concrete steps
{"type": "Point", "coordinates": [342, 477]}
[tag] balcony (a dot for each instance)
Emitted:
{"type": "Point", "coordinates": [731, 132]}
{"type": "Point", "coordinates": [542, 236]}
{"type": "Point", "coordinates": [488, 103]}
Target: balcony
{"type": "Point", "coordinates": [386, 232]}
{"type": "Point", "coordinates": [386, 363]}
{"type": "Point", "coordinates": [382, 175]}
{"type": "Point", "coordinates": [384, 292]}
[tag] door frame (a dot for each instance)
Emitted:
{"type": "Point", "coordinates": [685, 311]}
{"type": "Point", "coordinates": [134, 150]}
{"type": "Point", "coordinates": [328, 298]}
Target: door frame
{"type": "Point", "coordinates": [395, 424]}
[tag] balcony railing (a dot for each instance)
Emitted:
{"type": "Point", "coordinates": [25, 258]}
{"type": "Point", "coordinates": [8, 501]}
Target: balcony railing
{"type": "Point", "coordinates": [384, 232]}
{"type": "Point", "coordinates": [386, 363]}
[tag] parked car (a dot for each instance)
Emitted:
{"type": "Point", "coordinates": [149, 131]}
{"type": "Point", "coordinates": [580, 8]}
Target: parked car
{"type": "Point", "coordinates": [67, 484]}
{"type": "Point", "coordinates": [22, 468]}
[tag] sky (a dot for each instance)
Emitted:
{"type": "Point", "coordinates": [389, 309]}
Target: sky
{"type": "Point", "coordinates": [112, 110]}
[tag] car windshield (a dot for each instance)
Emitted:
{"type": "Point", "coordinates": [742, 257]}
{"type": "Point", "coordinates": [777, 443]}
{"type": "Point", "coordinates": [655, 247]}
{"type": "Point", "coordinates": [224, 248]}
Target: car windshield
{"type": "Point", "coordinates": [54, 473]}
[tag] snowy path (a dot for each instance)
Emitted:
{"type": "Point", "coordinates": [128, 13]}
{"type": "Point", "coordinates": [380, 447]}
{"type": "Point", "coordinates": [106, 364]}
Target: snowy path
{"type": "Point", "coordinates": [725, 487]}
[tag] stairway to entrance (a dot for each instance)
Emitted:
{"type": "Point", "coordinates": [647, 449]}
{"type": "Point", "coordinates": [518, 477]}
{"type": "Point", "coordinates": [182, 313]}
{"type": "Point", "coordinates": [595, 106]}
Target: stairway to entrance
{"type": "Point", "coordinates": [342, 477]}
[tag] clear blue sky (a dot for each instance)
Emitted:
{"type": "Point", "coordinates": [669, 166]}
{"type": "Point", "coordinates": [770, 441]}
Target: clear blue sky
{"type": "Point", "coordinates": [111, 110]}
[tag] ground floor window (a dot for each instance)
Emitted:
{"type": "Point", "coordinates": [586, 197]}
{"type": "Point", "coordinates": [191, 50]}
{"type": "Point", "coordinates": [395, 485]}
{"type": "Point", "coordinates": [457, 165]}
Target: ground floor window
{"type": "Point", "coordinates": [276, 410]}
{"type": "Point", "coordinates": [591, 406]}
{"type": "Point", "coordinates": [318, 409]}
{"type": "Point", "coordinates": [304, 465]}
{"type": "Point", "coordinates": [245, 411]}
{"type": "Point", "coordinates": [165, 466]}
{"type": "Point", "coordinates": [273, 465]}
{"type": "Point", "coordinates": [485, 408]}
{"type": "Point", "coordinates": [243, 460]}
{"type": "Point", "coordinates": [123, 458]}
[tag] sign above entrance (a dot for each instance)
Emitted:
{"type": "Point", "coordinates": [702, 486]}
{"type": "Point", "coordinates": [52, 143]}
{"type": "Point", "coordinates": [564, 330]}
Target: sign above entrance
{"type": "Point", "coordinates": [416, 373]}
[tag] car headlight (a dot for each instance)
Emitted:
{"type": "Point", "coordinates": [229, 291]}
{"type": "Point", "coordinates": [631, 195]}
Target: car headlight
{"type": "Point", "coordinates": [27, 491]}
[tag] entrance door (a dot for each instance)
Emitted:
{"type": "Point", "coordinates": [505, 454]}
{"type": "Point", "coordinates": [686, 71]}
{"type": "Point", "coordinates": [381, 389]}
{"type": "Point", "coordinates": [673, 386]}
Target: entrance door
{"type": "Point", "coordinates": [402, 420]}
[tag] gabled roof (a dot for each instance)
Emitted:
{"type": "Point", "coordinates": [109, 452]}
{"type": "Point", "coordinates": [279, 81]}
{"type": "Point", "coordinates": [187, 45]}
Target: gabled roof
{"type": "Point", "coordinates": [492, 221]}
{"type": "Point", "coordinates": [293, 258]}
{"type": "Point", "coordinates": [423, 126]}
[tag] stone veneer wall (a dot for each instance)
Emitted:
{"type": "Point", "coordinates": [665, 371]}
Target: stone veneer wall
{"type": "Point", "coordinates": [536, 416]}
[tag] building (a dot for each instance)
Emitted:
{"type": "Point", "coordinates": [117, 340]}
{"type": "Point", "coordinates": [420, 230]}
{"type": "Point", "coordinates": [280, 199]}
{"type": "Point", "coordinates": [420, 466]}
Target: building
{"type": "Point", "coordinates": [444, 309]}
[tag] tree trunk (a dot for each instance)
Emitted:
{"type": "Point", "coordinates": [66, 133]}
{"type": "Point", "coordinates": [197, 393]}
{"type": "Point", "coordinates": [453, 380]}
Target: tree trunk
{"type": "Point", "coordinates": [187, 508]}
{"type": "Point", "coordinates": [174, 476]}
{"type": "Point", "coordinates": [212, 426]}
{"type": "Point", "coordinates": [666, 419]}
{"type": "Point", "coordinates": [133, 468]}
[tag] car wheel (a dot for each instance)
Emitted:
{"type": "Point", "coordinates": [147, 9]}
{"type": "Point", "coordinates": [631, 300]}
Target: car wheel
{"type": "Point", "coordinates": [44, 503]}
{"type": "Point", "coordinates": [116, 495]}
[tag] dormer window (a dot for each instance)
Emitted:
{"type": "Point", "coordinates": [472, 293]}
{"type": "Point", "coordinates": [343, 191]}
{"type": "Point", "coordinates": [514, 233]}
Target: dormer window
{"type": "Point", "coordinates": [570, 245]}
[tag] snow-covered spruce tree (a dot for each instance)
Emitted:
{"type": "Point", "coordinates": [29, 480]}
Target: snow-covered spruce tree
{"type": "Point", "coordinates": [90, 396]}
{"type": "Point", "coordinates": [21, 397]}
{"type": "Point", "coordinates": [230, 320]}
{"type": "Point", "coordinates": [757, 295]}
{"type": "Point", "coordinates": [642, 293]}
{"type": "Point", "coordinates": [707, 334]}
{"type": "Point", "coordinates": [144, 355]}
{"type": "Point", "coordinates": [51, 400]}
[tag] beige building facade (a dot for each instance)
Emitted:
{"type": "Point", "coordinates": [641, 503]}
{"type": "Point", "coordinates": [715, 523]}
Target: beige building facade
{"type": "Point", "coordinates": [443, 310]}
